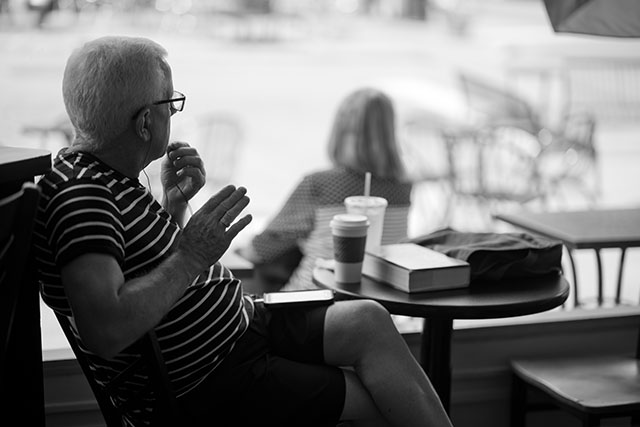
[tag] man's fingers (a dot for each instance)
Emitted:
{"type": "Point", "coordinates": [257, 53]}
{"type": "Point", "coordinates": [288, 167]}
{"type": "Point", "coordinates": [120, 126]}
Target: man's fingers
{"type": "Point", "coordinates": [215, 200]}
{"type": "Point", "coordinates": [177, 149]}
{"type": "Point", "coordinates": [231, 214]}
{"type": "Point", "coordinates": [238, 226]}
{"type": "Point", "coordinates": [227, 206]}
{"type": "Point", "coordinates": [193, 161]}
{"type": "Point", "coordinates": [192, 172]}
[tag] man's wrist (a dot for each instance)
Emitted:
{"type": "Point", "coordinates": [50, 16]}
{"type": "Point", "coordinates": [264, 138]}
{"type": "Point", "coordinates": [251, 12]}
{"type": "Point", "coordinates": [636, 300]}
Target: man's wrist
{"type": "Point", "coordinates": [177, 210]}
{"type": "Point", "coordinates": [185, 265]}
{"type": "Point", "coordinates": [192, 258]}
{"type": "Point", "coordinates": [176, 205]}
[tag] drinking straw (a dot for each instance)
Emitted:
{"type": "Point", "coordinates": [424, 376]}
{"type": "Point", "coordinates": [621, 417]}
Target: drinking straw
{"type": "Point", "coordinates": [367, 183]}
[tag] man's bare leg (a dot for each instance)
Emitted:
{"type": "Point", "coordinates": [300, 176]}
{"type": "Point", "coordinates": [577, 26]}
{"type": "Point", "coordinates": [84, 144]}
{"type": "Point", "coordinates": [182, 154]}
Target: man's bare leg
{"type": "Point", "coordinates": [359, 408]}
{"type": "Point", "coordinates": [361, 334]}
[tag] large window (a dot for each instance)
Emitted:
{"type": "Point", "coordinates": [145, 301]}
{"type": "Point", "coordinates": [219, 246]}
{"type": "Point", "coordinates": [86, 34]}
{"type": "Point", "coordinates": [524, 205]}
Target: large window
{"type": "Point", "coordinates": [268, 75]}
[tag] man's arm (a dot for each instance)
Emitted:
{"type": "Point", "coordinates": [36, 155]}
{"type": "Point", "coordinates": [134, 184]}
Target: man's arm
{"type": "Point", "coordinates": [112, 313]}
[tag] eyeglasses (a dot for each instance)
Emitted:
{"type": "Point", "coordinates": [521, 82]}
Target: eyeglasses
{"type": "Point", "coordinates": [176, 102]}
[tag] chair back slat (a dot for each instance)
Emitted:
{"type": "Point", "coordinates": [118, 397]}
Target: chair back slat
{"type": "Point", "coordinates": [165, 408]}
{"type": "Point", "coordinates": [111, 416]}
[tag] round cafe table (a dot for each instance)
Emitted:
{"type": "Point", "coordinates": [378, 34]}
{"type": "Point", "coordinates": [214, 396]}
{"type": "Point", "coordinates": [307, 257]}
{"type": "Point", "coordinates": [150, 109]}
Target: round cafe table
{"type": "Point", "coordinates": [481, 300]}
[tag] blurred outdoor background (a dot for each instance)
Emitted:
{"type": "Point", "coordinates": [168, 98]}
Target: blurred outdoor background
{"type": "Point", "coordinates": [263, 80]}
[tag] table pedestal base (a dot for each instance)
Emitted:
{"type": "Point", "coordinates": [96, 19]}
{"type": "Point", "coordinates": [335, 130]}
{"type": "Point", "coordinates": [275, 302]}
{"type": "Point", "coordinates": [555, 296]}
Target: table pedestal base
{"type": "Point", "coordinates": [435, 355]}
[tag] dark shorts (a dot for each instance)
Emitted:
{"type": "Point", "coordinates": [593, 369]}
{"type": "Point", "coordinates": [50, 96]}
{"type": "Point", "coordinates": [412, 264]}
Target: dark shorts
{"type": "Point", "coordinates": [275, 376]}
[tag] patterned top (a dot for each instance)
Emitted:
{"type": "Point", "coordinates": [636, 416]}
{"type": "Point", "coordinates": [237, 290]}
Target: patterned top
{"type": "Point", "coordinates": [87, 207]}
{"type": "Point", "coordinates": [304, 218]}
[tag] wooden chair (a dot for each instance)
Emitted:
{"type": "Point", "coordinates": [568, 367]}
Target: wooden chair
{"type": "Point", "coordinates": [590, 388]}
{"type": "Point", "coordinates": [165, 409]}
{"type": "Point", "coordinates": [21, 375]}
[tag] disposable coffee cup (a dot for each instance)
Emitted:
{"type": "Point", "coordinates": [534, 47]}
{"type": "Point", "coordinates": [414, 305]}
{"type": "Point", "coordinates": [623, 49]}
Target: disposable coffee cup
{"type": "Point", "coordinates": [374, 209]}
{"type": "Point", "coordinates": [349, 238]}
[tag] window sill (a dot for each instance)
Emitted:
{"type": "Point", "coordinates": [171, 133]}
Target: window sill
{"type": "Point", "coordinates": [55, 346]}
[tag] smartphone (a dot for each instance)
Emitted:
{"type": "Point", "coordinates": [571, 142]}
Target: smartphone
{"type": "Point", "coordinates": [312, 297]}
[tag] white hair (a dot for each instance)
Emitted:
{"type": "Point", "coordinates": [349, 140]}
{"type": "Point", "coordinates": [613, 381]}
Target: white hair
{"type": "Point", "coordinates": [107, 80]}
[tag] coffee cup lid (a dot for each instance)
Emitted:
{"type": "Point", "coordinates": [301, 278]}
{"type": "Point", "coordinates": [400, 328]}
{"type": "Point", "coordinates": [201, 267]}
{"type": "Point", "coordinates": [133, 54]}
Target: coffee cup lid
{"type": "Point", "coordinates": [369, 201]}
{"type": "Point", "coordinates": [349, 221]}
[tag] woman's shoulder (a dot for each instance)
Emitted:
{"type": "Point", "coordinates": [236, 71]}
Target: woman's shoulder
{"type": "Point", "coordinates": [396, 192]}
{"type": "Point", "coordinates": [334, 178]}
{"type": "Point", "coordinates": [333, 185]}
{"type": "Point", "coordinates": [329, 186]}
{"type": "Point", "coordinates": [328, 173]}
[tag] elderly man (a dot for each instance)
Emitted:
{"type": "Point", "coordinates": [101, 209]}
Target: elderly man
{"type": "Point", "coordinates": [118, 263]}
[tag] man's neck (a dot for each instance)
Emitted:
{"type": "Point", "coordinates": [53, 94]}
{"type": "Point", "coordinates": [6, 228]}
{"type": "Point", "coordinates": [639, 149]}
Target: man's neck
{"type": "Point", "coordinates": [120, 154]}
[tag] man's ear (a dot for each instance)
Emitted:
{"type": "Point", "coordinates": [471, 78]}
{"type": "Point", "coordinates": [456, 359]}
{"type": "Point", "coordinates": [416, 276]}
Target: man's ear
{"type": "Point", "coordinates": [142, 124]}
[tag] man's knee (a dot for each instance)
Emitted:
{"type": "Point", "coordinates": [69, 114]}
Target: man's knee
{"type": "Point", "coordinates": [369, 316]}
{"type": "Point", "coordinates": [355, 328]}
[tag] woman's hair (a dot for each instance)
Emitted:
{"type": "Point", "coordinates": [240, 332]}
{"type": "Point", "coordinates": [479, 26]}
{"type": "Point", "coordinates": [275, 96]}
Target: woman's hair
{"type": "Point", "coordinates": [363, 137]}
{"type": "Point", "coordinates": [107, 80]}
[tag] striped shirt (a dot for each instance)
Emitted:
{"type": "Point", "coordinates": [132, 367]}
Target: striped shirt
{"type": "Point", "coordinates": [304, 219]}
{"type": "Point", "coordinates": [88, 207]}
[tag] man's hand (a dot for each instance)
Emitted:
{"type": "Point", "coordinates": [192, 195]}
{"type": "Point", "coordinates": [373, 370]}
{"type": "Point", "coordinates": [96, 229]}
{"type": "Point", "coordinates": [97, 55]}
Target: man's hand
{"type": "Point", "coordinates": [209, 232]}
{"type": "Point", "coordinates": [183, 175]}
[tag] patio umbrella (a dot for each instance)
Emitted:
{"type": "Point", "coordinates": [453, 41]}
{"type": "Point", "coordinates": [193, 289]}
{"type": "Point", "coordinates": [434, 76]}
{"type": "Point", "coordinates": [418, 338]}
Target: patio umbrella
{"type": "Point", "coordinates": [613, 18]}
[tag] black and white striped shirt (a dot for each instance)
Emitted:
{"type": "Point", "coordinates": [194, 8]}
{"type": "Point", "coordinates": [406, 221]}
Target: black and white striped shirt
{"type": "Point", "coordinates": [87, 207]}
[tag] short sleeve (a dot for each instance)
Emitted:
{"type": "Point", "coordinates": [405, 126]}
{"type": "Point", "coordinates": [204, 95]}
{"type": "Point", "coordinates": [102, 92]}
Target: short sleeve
{"type": "Point", "coordinates": [83, 218]}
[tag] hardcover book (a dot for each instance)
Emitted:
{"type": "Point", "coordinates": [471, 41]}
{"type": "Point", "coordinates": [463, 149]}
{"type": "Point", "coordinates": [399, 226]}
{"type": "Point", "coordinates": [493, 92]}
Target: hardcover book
{"type": "Point", "coordinates": [414, 268]}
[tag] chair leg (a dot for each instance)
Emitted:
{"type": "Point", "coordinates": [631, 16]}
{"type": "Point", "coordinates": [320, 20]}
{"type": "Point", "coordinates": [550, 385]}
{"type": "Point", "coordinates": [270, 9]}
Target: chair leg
{"type": "Point", "coordinates": [518, 402]}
